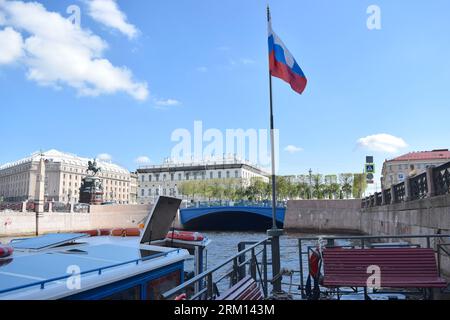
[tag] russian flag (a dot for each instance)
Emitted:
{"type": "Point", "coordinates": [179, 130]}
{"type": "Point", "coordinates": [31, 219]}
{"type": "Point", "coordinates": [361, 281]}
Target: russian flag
{"type": "Point", "coordinates": [283, 65]}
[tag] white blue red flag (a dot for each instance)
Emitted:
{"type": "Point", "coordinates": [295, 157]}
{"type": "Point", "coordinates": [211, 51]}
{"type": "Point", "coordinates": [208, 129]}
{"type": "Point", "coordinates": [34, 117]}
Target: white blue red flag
{"type": "Point", "coordinates": [283, 65]}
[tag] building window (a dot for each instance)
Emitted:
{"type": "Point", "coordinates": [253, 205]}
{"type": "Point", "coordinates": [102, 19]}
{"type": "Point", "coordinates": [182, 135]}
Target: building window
{"type": "Point", "coordinates": [228, 174]}
{"type": "Point", "coordinates": [219, 174]}
{"type": "Point", "coordinates": [142, 192]}
{"type": "Point", "coordinates": [150, 177]}
{"type": "Point", "coordinates": [179, 176]}
{"type": "Point", "coordinates": [157, 191]}
{"type": "Point", "coordinates": [236, 174]}
{"type": "Point", "coordinates": [164, 177]}
{"type": "Point", "coordinates": [157, 177]}
{"type": "Point", "coordinates": [171, 176]}
{"type": "Point", "coordinates": [187, 176]}
{"type": "Point", "coordinates": [211, 175]}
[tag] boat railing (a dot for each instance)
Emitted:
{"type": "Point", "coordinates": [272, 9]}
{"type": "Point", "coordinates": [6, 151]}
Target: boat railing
{"type": "Point", "coordinates": [307, 244]}
{"type": "Point", "coordinates": [234, 268]}
{"type": "Point", "coordinates": [42, 284]}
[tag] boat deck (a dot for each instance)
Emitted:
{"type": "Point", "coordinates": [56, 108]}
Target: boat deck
{"type": "Point", "coordinates": [34, 272]}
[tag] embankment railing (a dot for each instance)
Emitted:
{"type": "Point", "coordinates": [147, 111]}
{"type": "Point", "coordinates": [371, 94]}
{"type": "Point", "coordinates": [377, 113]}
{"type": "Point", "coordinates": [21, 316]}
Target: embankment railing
{"type": "Point", "coordinates": [435, 181]}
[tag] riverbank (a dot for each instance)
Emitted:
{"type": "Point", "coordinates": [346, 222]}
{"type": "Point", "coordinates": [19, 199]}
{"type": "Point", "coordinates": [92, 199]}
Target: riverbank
{"type": "Point", "coordinates": [114, 216]}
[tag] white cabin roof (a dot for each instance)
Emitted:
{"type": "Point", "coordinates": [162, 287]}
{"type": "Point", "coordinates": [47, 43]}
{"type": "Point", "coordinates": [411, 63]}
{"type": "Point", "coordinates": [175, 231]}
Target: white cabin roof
{"type": "Point", "coordinates": [100, 260]}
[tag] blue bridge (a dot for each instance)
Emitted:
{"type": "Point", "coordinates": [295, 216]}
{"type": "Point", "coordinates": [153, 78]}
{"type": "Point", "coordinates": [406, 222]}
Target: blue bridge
{"type": "Point", "coordinates": [230, 217]}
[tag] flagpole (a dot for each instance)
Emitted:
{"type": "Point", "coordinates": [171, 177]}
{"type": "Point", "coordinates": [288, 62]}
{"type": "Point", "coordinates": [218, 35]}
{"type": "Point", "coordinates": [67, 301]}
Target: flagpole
{"type": "Point", "coordinates": [274, 233]}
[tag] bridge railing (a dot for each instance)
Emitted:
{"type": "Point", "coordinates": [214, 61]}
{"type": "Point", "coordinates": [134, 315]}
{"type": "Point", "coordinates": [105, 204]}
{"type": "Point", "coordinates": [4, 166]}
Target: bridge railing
{"type": "Point", "coordinates": [435, 181]}
{"type": "Point", "coordinates": [238, 203]}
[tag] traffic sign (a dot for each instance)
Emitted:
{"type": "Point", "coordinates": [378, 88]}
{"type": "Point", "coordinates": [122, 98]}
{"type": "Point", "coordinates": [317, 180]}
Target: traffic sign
{"type": "Point", "coordinates": [370, 168]}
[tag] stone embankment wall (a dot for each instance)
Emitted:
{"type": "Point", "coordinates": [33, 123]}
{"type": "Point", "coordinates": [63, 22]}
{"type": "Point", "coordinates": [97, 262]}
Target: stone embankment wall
{"type": "Point", "coordinates": [323, 216]}
{"type": "Point", "coordinates": [427, 216]}
{"type": "Point", "coordinates": [117, 216]}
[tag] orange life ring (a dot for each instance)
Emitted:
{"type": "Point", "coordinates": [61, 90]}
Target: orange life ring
{"type": "Point", "coordinates": [91, 233]}
{"type": "Point", "coordinates": [6, 251]}
{"type": "Point", "coordinates": [132, 232]}
{"type": "Point", "coordinates": [117, 232]}
{"type": "Point", "coordinates": [105, 232]}
{"type": "Point", "coordinates": [185, 235]}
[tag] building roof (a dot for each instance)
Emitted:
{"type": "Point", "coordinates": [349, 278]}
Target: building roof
{"type": "Point", "coordinates": [212, 163]}
{"type": "Point", "coordinates": [65, 158]}
{"type": "Point", "coordinates": [442, 154]}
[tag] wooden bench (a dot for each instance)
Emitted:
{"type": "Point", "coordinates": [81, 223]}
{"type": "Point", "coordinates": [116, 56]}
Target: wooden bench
{"type": "Point", "coordinates": [246, 289]}
{"type": "Point", "coordinates": [399, 267]}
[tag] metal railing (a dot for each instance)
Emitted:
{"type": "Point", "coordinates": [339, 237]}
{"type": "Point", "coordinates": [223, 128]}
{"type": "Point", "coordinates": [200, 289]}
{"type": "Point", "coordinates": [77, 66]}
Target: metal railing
{"type": "Point", "coordinates": [368, 242]}
{"type": "Point", "coordinates": [43, 283]}
{"type": "Point", "coordinates": [230, 203]}
{"type": "Point", "coordinates": [207, 284]}
{"type": "Point", "coordinates": [441, 178]}
{"type": "Point", "coordinates": [378, 199]}
{"type": "Point", "coordinates": [399, 192]}
{"type": "Point", "coordinates": [435, 181]}
{"type": "Point", "coordinates": [419, 186]}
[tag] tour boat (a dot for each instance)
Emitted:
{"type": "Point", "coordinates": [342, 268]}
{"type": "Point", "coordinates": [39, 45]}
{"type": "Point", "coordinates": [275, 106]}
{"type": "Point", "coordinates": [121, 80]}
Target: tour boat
{"type": "Point", "coordinates": [79, 266]}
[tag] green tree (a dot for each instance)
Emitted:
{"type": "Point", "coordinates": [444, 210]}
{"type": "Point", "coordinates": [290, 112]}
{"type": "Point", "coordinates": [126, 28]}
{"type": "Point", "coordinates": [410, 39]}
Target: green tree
{"type": "Point", "coordinates": [318, 189]}
{"type": "Point", "coordinates": [346, 183]}
{"type": "Point", "coordinates": [359, 185]}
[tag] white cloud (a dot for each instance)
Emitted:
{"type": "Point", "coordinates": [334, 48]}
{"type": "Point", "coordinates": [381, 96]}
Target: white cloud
{"type": "Point", "coordinates": [57, 52]}
{"type": "Point", "coordinates": [292, 149]}
{"type": "Point", "coordinates": [167, 102]}
{"type": "Point", "coordinates": [11, 44]}
{"type": "Point", "coordinates": [382, 143]}
{"type": "Point", "coordinates": [142, 160]}
{"type": "Point", "coordinates": [108, 13]}
{"type": "Point", "coordinates": [104, 157]}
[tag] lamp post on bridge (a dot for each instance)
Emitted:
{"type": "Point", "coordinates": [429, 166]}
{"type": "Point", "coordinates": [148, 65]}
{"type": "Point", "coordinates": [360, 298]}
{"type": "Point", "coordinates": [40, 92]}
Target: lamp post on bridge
{"type": "Point", "coordinates": [310, 183]}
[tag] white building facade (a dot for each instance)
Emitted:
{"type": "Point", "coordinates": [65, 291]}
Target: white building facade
{"type": "Point", "coordinates": [165, 179]}
{"type": "Point", "coordinates": [63, 175]}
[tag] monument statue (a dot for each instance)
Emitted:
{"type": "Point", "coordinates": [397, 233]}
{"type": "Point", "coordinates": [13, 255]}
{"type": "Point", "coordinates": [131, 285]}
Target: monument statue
{"type": "Point", "coordinates": [91, 190]}
{"type": "Point", "coordinates": [92, 167]}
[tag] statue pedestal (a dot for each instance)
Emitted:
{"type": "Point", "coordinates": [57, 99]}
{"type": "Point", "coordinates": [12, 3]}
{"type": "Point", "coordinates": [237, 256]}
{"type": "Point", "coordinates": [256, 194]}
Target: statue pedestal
{"type": "Point", "coordinates": [91, 191]}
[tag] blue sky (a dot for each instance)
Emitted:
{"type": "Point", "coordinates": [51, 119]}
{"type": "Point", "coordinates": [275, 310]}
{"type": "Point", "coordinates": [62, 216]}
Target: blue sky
{"type": "Point", "coordinates": [207, 60]}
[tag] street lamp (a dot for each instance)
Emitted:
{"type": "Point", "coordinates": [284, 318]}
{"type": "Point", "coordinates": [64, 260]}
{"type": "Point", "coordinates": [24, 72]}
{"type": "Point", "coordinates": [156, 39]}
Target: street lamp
{"type": "Point", "coordinates": [310, 183]}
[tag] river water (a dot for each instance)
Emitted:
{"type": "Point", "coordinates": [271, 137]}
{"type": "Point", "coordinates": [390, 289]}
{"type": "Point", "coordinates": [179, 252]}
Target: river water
{"type": "Point", "coordinates": [224, 245]}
